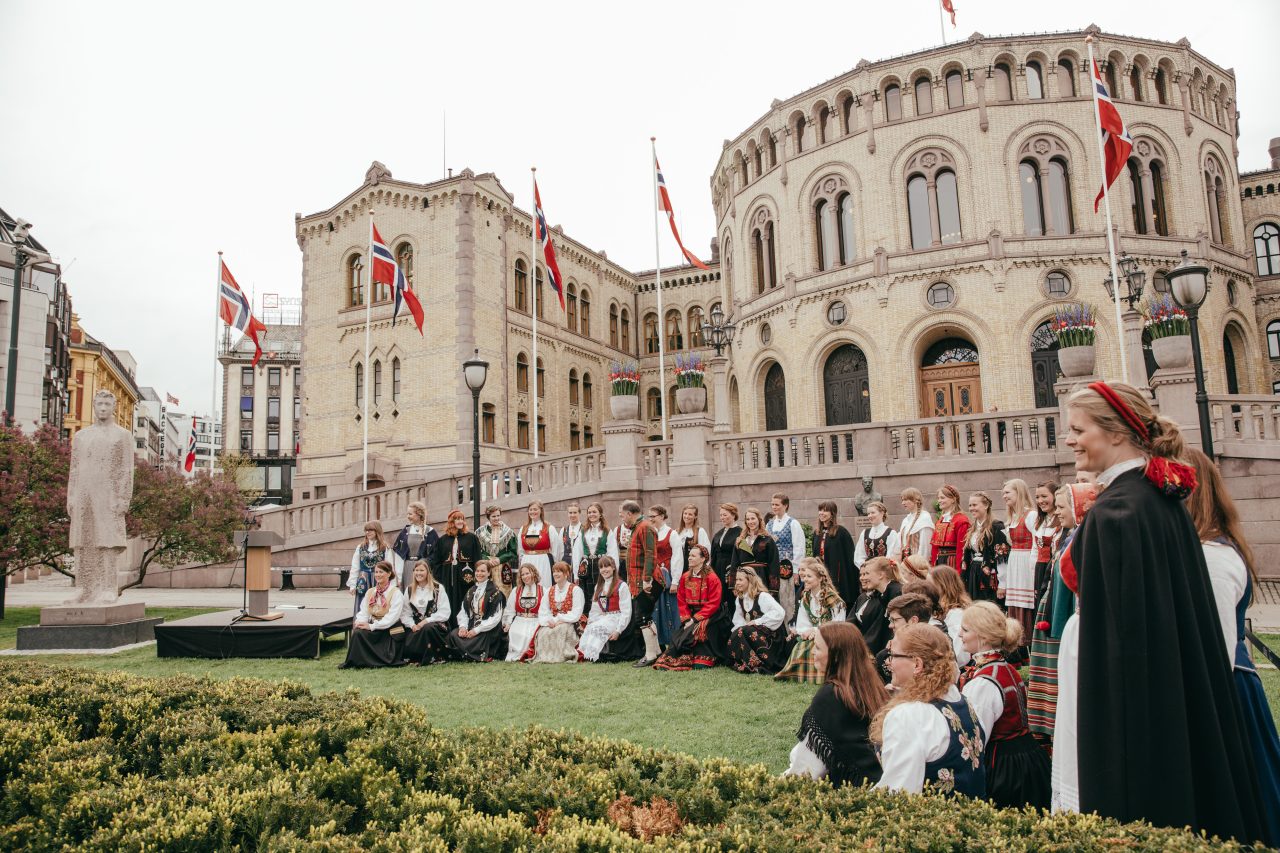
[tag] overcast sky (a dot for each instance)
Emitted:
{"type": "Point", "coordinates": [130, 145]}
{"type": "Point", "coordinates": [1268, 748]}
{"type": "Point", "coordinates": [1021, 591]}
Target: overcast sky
{"type": "Point", "coordinates": [141, 138]}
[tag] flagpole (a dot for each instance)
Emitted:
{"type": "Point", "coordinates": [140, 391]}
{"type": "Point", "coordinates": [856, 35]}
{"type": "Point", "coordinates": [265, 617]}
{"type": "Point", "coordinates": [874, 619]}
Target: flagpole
{"type": "Point", "coordinates": [942, 22]}
{"type": "Point", "coordinates": [217, 305]}
{"type": "Point", "coordinates": [1106, 203]}
{"type": "Point", "coordinates": [657, 268]}
{"type": "Point", "coordinates": [533, 286]}
{"type": "Point", "coordinates": [368, 372]}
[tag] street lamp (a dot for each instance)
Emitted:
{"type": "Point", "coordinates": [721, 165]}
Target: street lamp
{"type": "Point", "coordinates": [22, 253]}
{"type": "Point", "coordinates": [474, 372]}
{"type": "Point", "coordinates": [1135, 279]}
{"type": "Point", "coordinates": [716, 331]}
{"type": "Point", "coordinates": [1189, 284]}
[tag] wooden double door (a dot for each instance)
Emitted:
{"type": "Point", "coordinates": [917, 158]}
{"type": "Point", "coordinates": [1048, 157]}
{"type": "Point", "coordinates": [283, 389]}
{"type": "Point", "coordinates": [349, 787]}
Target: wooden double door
{"type": "Point", "coordinates": [950, 389]}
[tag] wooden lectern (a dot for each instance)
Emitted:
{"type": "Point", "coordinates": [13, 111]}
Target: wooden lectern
{"type": "Point", "coordinates": [257, 573]}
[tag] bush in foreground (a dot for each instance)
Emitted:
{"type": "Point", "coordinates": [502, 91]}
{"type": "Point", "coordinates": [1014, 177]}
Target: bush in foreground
{"type": "Point", "coordinates": [117, 762]}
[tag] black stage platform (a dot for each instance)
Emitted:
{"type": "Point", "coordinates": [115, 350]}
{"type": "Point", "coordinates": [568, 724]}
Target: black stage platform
{"type": "Point", "coordinates": [212, 635]}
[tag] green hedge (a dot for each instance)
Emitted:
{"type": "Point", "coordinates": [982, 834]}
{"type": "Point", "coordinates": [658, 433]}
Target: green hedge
{"type": "Point", "coordinates": [116, 762]}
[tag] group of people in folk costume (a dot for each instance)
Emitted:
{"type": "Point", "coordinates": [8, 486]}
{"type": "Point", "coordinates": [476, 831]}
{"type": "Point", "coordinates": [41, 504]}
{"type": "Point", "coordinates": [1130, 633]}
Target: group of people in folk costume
{"type": "Point", "coordinates": [1125, 592]}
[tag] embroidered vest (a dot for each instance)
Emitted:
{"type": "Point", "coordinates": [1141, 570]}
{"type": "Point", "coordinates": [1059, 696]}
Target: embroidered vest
{"type": "Point", "coordinates": [528, 611]}
{"type": "Point", "coordinates": [961, 769]}
{"type": "Point", "coordinates": [1012, 721]}
{"type": "Point", "coordinates": [781, 532]}
{"type": "Point", "coordinates": [754, 613]}
{"type": "Point", "coordinates": [609, 602]}
{"type": "Point", "coordinates": [877, 546]}
{"type": "Point", "coordinates": [1043, 540]}
{"type": "Point", "coordinates": [564, 605]}
{"type": "Point", "coordinates": [429, 608]}
{"type": "Point", "coordinates": [536, 543]}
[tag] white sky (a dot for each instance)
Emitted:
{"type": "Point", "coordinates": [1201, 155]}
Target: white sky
{"type": "Point", "coordinates": [140, 138]}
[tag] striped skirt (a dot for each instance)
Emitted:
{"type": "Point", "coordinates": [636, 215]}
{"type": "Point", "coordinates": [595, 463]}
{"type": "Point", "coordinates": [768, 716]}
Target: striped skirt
{"type": "Point", "coordinates": [800, 666]}
{"type": "Point", "coordinates": [1042, 676]}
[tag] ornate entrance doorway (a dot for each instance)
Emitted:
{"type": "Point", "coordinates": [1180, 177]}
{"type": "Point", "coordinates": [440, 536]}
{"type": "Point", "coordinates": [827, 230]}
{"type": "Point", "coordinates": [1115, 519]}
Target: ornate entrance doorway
{"type": "Point", "coordinates": [1044, 365]}
{"type": "Point", "coordinates": [949, 385]}
{"type": "Point", "coordinates": [775, 399]}
{"type": "Point", "coordinates": [847, 387]}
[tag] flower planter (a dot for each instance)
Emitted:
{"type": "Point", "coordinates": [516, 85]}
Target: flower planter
{"type": "Point", "coordinates": [1076, 361]}
{"type": "Point", "coordinates": [691, 401]}
{"type": "Point", "coordinates": [1172, 351]}
{"type": "Point", "coordinates": [624, 407]}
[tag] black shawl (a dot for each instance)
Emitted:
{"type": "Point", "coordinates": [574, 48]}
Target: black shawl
{"type": "Point", "coordinates": [1160, 729]}
{"type": "Point", "coordinates": [840, 739]}
{"type": "Point", "coordinates": [837, 555]}
{"type": "Point", "coordinates": [401, 545]}
{"type": "Point", "coordinates": [874, 623]}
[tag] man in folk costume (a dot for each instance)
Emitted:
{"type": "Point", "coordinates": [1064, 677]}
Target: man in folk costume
{"type": "Point", "coordinates": [416, 542]}
{"type": "Point", "coordinates": [789, 535]}
{"type": "Point", "coordinates": [497, 543]}
{"type": "Point", "coordinates": [634, 544]}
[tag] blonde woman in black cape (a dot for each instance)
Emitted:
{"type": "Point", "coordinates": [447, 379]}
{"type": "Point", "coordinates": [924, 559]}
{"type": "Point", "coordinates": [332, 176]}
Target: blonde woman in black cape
{"type": "Point", "coordinates": [479, 636]}
{"type": "Point", "coordinates": [425, 616]}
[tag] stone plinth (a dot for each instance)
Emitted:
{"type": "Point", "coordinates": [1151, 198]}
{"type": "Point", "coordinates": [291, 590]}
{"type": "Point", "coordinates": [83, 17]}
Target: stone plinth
{"type": "Point", "coordinates": [92, 614]}
{"type": "Point", "coordinates": [72, 637]}
{"type": "Point", "coordinates": [690, 436]}
{"type": "Point", "coordinates": [622, 452]}
{"type": "Point", "coordinates": [1175, 392]}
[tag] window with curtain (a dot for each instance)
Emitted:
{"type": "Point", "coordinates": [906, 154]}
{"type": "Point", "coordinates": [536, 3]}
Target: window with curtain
{"type": "Point", "coordinates": [653, 404]}
{"type": "Point", "coordinates": [845, 221]}
{"type": "Point", "coordinates": [695, 328]}
{"type": "Point", "coordinates": [675, 339]}
{"type": "Point", "coordinates": [355, 282]}
{"type": "Point", "coordinates": [573, 387]}
{"type": "Point", "coordinates": [948, 208]}
{"type": "Point", "coordinates": [918, 212]}
{"type": "Point", "coordinates": [1035, 80]}
{"type": "Point", "coordinates": [613, 326]}
{"type": "Point", "coordinates": [650, 333]}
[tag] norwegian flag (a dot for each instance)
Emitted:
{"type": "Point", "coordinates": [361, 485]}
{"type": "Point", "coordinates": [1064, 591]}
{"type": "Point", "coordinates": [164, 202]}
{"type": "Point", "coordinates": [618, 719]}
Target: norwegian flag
{"type": "Point", "coordinates": [950, 8]}
{"type": "Point", "coordinates": [235, 310]}
{"type": "Point", "coordinates": [172, 399]}
{"type": "Point", "coordinates": [1116, 142]}
{"type": "Point", "coordinates": [664, 205]}
{"type": "Point", "coordinates": [387, 271]}
{"type": "Point", "coordinates": [548, 250]}
{"type": "Point", "coordinates": [191, 449]}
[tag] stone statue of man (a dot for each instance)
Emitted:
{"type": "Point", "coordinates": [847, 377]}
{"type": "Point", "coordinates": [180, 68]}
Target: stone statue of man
{"type": "Point", "coordinates": [867, 496]}
{"type": "Point", "coordinates": [98, 493]}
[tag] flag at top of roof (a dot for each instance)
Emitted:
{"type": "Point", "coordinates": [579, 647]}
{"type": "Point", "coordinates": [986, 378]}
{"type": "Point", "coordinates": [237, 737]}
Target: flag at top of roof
{"type": "Point", "coordinates": [544, 240]}
{"type": "Point", "coordinates": [664, 205]}
{"type": "Point", "coordinates": [1116, 142]}
{"type": "Point", "coordinates": [235, 310]}
{"type": "Point", "coordinates": [387, 271]}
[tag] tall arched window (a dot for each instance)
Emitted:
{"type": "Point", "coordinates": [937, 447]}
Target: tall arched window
{"type": "Point", "coordinates": [584, 313]}
{"type": "Point", "coordinates": [763, 252]}
{"type": "Point", "coordinates": [1273, 339]}
{"type": "Point", "coordinates": [892, 102]}
{"type": "Point", "coordinates": [1113, 84]}
{"type": "Point", "coordinates": [933, 199]}
{"type": "Point", "coordinates": [1004, 81]}
{"type": "Point", "coordinates": [948, 208]}
{"type": "Point", "coordinates": [542, 434]}
{"type": "Point", "coordinates": [845, 220]}
{"type": "Point", "coordinates": [1138, 196]}
{"type": "Point", "coordinates": [539, 295]}
{"type": "Point", "coordinates": [1215, 199]}
{"type": "Point", "coordinates": [1066, 78]}
{"type": "Point", "coordinates": [522, 373]}
{"type": "Point", "coordinates": [696, 339]}
{"type": "Point", "coordinates": [626, 330]}
{"type": "Point", "coordinates": [395, 379]}
{"type": "Point", "coordinates": [1032, 198]}
{"type": "Point", "coordinates": [773, 150]}
{"type": "Point", "coordinates": [1266, 249]}
{"type": "Point", "coordinates": [757, 157]}
{"type": "Point", "coordinates": [924, 95]}
{"type": "Point", "coordinates": [820, 128]}
{"type": "Point", "coordinates": [1045, 187]}
{"type": "Point", "coordinates": [586, 390]}
{"type": "Point", "coordinates": [650, 333]}
{"type": "Point", "coordinates": [798, 129]}
{"type": "Point", "coordinates": [653, 404]}
{"type": "Point", "coordinates": [918, 212]}
{"type": "Point", "coordinates": [847, 118]}
{"type": "Point", "coordinates": [404, 255]}
{"type": "Point", "coordinates": [775, 398]}
{"type": "Point", "coordinates": [355, 281]}
{"type": "Point", "coordinates": [522, 430]}
{"type": "Point", "coordinates": [613, 326]}
{"type": "Point", "coordinates": [675, 339]}
{"type": "Point", "coordinates": [1061, 216]}
{"type": "Point", "coordinates": [573, 387]}
{"type": "Point", "coordinates": [1162, 86]}
{"type": "Point", "coordinates": [1158, 215]}
{"type": "Point", "coordinates": [522, 286]}
{"type": "Point", "coordinates": [571, 307]}
{"type": "Point", "coordinates": [542, 385]}
{"type": "Point", "coordinates": [377, 382]}
{"type": "Point", "coordinates": [826, 232]}
{"type": "Point", "coordinates": [1135, 81]}
{"type": "Point", "coordinates": [359, 384]}
{"type": "Point", "coordinates": [955, 90]}
{"type": "Point", "coordinates": [1035, 80]}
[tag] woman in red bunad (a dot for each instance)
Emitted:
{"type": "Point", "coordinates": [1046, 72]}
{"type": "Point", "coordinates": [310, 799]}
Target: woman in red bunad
{"type": "Point", "coordinates": [698, 599]}
{"type": "Point", "coordinates": [950, 531]}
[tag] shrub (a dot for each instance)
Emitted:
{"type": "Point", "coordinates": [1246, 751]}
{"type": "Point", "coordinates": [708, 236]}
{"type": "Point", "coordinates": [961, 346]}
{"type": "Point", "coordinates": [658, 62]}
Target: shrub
{"type": "Point", "coordinates": [116, 762]}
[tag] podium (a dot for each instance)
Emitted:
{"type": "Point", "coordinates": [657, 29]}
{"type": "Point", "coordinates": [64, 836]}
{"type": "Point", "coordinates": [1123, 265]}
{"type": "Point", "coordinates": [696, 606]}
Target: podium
{"type": "Point", "coordinates": [257, 573]}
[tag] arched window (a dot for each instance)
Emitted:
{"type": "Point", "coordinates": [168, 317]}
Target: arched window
{"type": "Point", "coordinates": [1113, 85]}
{"type": "Point", "coordinates": [404, 255]}
{"type": "Point", "coordinates": [933, 199]}
{"type": "Point", "coordinates": [1044, 365]}
{"type": "Point", "coordinates": [571, 307]}
{"type": "Point", "coordinates": [359, 385]}
{"type": "Point", "coordinates": [892, 102]}
{"type": "Point", "coordinates": [1004, 81]}
{"type": "Point", "coordinates": [613, 326]}
{"type": "Point", "coordinates": [1032, 198]}
{"type": "Point", "coordinates": [1045, 187]}
{"type": "Point", "coordinates": [846, 386]}
{"type": "Point", "coordinates": [798, 129]}
{"type": "Point", "coordinates": [773, 151]}
{"type": "Point", "coordinates": [949, 208]}
{"type": "Point", "coordinates": [775, 398]}
{"type": "Point", "coordinates": [522, 286]}
{"type": "Point", "coordinates": [488, 423]}
{"type": "Point", "coordinates": [395, 380]}
{"type": "Point", "coordinates": [573, 387]}
{"type": "Point", "coordinates": [696, 339]}
{"type": "Point", "coordinates": [757, 156]}
{"type": "Point", "coordinates": [1229, 359]}
{"type": "Point", "coordinates": [1266, 249]}
{"type": "Point", "coordinates": [820, 130]}
{"type": "Point", "coordinates": [377, 382]}
{"type": "Point", "coordinates": [1035, 80]}
{"type": "Point", "coordinates": [1162, 86]}
{"type": "Point", "coordinates": [355, 281]}
{"type": "Point", "coordinates": [1157, 199]}
{"type": "Point", "coordinates": [653, 404]}
{"type": "Point", "coordinates": [950, 351]}
{"type": "Point", "coordinates": [542, 385]}
{"type": "Point", "coordinates": [1273, 339]}
{"type": "Point", "coordinates": [626, 330]}
{"type": "Point", "coordinates": [675, 339]}
{"type": "Point", "coordinates": [1135, 81]}
{"type": "Point", "coordinates": [522, 430]}
{"type": "Point", "coordinates": [542, 434]}
{"type": "Point", "coordinates": [586, 390]}
{"type": "Point", "coordinates": [1215, 199]}
{"type": "Point", "coordinates": [955, 90]}
{"type": "Point", "coordinates": [1066, 78]}
{"type": "Point", "coordinates": [847, 119]}
{"type": "Point", "coordinates": [763, 252]}
{"type": "Point", "coordinates": [924, 95]}
{"type": "Point", "coordinates": [650, 333]}
{"type": "Point", "coordinates": [522, 373]}
{"type": "Point", "coordinates": [1137, 195]}
{"type": "Point", "coordinates": [1061, 217]}
{"type": "Point", "coordinates": [584, 313]}
{"type": "Point", "coordinates": [539, 295]}
{"type": "Point", "coordinates": [918, 212]}
{"type": "Point", "coordinates": [826, 232]}
{"type": "Point", "coordinates": [575, 437]}
{"type": "Point", "coordinates": [845, 221]}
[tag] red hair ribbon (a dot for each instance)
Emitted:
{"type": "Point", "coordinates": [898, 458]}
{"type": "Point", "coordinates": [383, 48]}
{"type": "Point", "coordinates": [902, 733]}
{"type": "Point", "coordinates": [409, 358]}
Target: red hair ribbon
{"type": "Point", "coordinates": [1172, 478]}
{"type": "Point", "coordinates": [1122, 408]}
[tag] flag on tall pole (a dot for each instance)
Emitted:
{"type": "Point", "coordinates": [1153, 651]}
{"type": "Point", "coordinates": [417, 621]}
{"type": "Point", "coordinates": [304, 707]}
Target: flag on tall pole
{"type": "Point", "coordinates": [190, 461]}
{"type": "Point", "coordinates": [1113, 151]}
{"type": "Point", "coordinates": [950, 8]}
{"type": "Point", "coordinates": [664, 205]}
{"type": "Point", "coordinates": [385, 270]}
{"type": "Point", "coordinates": [548, 250]}
{"type": "Point", "coordinates": [235, 310]}
{"type": "Point", "coordinates": [172, 400]}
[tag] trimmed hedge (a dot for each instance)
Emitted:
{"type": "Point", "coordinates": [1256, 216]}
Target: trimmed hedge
{"type": "Point", "coordinates": [117, 762]}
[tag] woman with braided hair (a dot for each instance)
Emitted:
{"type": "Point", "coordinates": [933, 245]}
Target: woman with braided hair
{"type": "Point", "coordinates": [1160, 731]}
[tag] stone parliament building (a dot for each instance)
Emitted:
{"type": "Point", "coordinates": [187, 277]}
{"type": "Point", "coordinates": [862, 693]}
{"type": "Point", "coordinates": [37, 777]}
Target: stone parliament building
{"type": "Point", "coordinates": [891, 245]}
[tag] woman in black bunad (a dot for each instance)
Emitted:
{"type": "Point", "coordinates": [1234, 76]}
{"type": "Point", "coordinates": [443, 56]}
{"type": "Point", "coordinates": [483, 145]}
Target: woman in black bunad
{"type": "Point", "coordinates": [376, 634]}
{"type": "Point", "coordinates": [833, 741]}
{"type": "Point", "coordinates": [986, 550]}
{"type": "Point", "coordinates": [723, 544]}
{"type": "Point", "coordinates": [756, 550]}
{"type": "Point", "coordinates": [594, 544]}
{"type": "Point", "coordinates": [870, 611]}
{"type": "Point", "coordinates": [758, 642]}
{"type": "Point", "coordinates": [1017, 768]}
{"type": "Point", "coordinates": [1160, 730]}
{"type": "Point", "coordinates": [426, 617]}
{"type": "Point", "coordinates": [479, 636]}
{"type": "Point", "coordinates": [454, 558]}
{"type": "Point", "coordinates": [415, 541]}
{"type": "Point", "coordinates": [833, 545]}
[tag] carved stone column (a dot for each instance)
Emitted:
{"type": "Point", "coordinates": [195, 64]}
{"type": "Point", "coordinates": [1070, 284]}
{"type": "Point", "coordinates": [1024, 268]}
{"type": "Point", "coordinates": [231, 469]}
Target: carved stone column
{"type": "Point", "coordinates": [1132, 348]}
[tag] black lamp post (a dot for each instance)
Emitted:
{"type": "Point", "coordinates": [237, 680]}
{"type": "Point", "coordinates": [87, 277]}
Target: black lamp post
{"type": "Point", "coordinates": [716, 331]}
{"type": "Point", "coordinates": [1189, 284]}
{"type": "Point", "coordinates": [474, 372]}
{"type": "Point", "coordinates": [1135, 279]}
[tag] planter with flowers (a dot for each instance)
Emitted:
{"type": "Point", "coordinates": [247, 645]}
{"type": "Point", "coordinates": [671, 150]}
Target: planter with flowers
{"type": "Point", "coordinates": [1075, 328]}
{"type": "Point", "coordinates": [691, 393]}
{"type": "Point", "coordinates": [624, 390]}
{"type": "Point", "coordinates": [1167, 327]}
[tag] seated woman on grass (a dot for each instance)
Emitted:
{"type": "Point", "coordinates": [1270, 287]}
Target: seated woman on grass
{"type": "Point", "coordinates": [698, 599]}
{"type": "Point", "coordinates": [376, 633]}
{"type": "Point", "coordinates": [819, 604]}
{"type": "Point", "coordinates": [478, 636]}
{"type": "Point", "coordinates": [426, 616]}
{"type": "Point", "coordinates": [557, 637]}
{"type": "Point", "coordinates": [610, 613]}
{"type": "Point", "coordinates": [758, 643]}
{"type": "Point", "coordinates": [525, 609]}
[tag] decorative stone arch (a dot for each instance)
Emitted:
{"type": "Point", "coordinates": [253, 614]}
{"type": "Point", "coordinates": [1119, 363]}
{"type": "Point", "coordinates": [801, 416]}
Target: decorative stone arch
{"type": "Point", "coordinates": [1142, 64]}
{"type": "Point", "coordinates": [773, 408]}
{"type": "Point", "coordinates": [1195, 87]}
{"type": "Point", "coordinates": [847, 112]}
{"type": "Point", "coordinates": [760, 233]}
{"type": "Point", "coordinates": [961, 383]}
{"type": "Point", "coordinates": [824, 124]}
{"type": "Point", "coordinates": [754, 157]}
{"type": "Point", "coordinates": [797, 127]}
{"type": "Point", "coordinates": [769, 146]}
{"type": "Point", "coordinates": [929, 159]}
{"type": "Point", "coordinates": [382, 470]}
{"type": "Point", "coordinates": [829, 184]}
{"type": "Point", "coordinates": [1042, 151]}
{"type": "Point", "coordinates": [1237, 355]}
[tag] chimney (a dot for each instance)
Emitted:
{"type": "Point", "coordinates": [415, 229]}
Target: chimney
{"type": "Point", "coordinates": [1274, 150]}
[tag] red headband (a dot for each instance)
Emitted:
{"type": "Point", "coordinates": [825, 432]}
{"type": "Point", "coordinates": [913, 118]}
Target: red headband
{"type": "Point", "coordinates": [1122, 408]}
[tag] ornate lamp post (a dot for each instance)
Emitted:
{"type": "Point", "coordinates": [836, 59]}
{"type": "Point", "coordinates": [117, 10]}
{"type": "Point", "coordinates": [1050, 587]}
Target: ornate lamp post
{"type": "Point", "coordinates": [474, 372]}
{"type": "Point", "coordinates": [718, 332]}
{"type": "Point", "coordinates": [1135, 279]}
{"type": "Point", "coordinates": [1190, 286]}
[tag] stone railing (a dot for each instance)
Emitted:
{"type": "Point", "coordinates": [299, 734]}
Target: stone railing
{"type": "Point", "coordinates": [986, 434]}
{"type": "Point", "coordinates": [533, 476]}
{"type": "Point", "coordinates": [1244, 417]}
{"type": "Point", "coordinates": [655, 458]}
{"type": "Point", "coordinates": [791, 449]}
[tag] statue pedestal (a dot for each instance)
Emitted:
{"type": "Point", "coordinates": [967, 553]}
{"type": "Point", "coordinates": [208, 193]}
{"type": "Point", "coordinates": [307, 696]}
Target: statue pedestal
{"type": "Point", "coordinates": [89, 626]}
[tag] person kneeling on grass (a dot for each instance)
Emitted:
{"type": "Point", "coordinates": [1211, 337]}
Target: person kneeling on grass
{"type": "Point", "coordinates": [833, 737]}
{"type": "Point", "coordinates": [376, 634]}
{"type": "Point", "coordinates": [526, 607]}
{"type": "Point", "coordinates": [698, 599]}
{"type": "Point", "coordinates": [477, 637]}
{"type": "Point", "coordinates": [611, 616]}
{"type": "Point", "coordinates": [759, 642]}
{"type": "Point", "coordinates": [426, 616]}
{"type": "Point", "coordinates": [557, 638]}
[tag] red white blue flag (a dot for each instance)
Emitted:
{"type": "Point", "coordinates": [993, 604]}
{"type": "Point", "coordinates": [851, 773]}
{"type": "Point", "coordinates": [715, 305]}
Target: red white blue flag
{"type": "Point", "coordinates": [191, 449]}
{"type": "Point", "coordinates": [664, 205]}
{"type": "Point", "coordinates": [387, 271]}
{"type": "Point", "coordinates": [1116, 142]}
{"type": "Point", "coordinates": [235, 310]}
{"type": "Point", "coordinates": [548, 250]}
